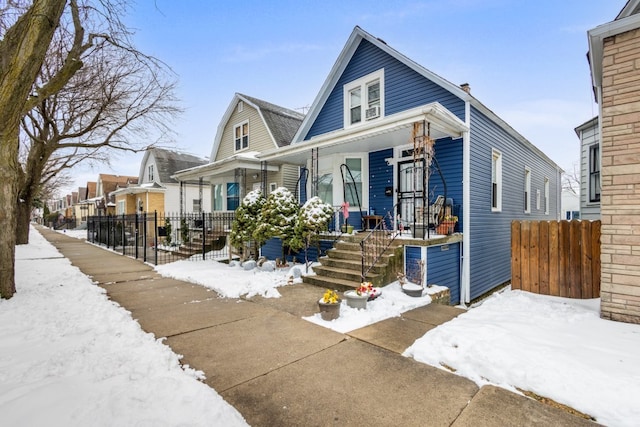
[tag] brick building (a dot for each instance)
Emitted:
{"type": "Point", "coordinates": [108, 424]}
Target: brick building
{"type": "Point", "coordinates": [614, 57]}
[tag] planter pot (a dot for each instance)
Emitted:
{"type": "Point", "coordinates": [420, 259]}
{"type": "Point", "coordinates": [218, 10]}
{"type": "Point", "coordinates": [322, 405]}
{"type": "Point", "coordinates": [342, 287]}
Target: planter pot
{"type": "Point", "coordinates": [347, 229]}
{"type": "Point", "coordinates": [412, 289]}
{"type": "Point", "coordinates": [446, 227]}
{"type": "Point", "coordinates": [356, 301]}
{"type": "Point", "coordinates": [329, 311]}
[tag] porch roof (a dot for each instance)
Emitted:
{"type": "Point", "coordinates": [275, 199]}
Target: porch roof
{"type": "Point", "coordinates": [391, 131]}
{"type": "Point", "coordinates": [224, 166]}
{"type": "Point", "coordinates": [138, 189]}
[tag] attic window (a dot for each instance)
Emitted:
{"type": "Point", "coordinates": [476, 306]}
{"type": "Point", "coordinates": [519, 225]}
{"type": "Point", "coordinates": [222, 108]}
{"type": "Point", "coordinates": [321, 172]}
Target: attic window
{"type": "Point", "coordinates": [241, 136]}
{"type": "Point", "coordinates": [240, 106]}
{"type": "Point", "coordinates": [364, 99]}
{"type": "Point", "coordinates": [150, 173]}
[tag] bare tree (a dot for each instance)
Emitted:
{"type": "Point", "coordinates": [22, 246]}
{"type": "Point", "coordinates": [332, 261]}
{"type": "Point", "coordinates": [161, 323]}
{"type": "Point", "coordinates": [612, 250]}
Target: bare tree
{"type": "Point", "coordinates": [27, 89]}
{"type": "Point", "coordinates": [22, 51]}
{"type": "Point", "coordinates": [118, 100]}
{"type": "Point", "coordinates": [571, 180]}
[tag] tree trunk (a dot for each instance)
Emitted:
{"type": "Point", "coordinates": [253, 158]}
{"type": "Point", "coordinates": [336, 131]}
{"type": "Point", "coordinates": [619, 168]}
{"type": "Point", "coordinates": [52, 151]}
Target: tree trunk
{"type": "Point", "coordinates": [8, 197]}
{"type": "Point", "coordinates": [23, 220]}
{"type": "Point", "coordinates": [22, 52]}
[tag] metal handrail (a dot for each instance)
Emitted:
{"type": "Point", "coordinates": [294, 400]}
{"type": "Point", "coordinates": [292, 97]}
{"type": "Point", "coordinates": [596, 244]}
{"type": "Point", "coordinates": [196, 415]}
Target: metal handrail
{"type": "Point", "coordinates": [376, 243]}
{"type": "Point", "coordinates": [344, 190]}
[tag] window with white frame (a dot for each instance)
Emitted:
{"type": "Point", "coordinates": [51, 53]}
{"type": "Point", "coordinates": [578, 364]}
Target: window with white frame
{"type": "Point", "coordinates": [496, 181]}
{"type": "Point", "coordinates": [527, 190]}
{"type": "Point", "coordinates": [150, 173]}
{"type": "Point", "coordinates": [218, 197]}
{"type": "Point", "coordinates": [273, 187]}
{"type": "Point", "coordinates": [196, 205]}
{"type": "Point", "coordinates": [546, 195]}
{"type": "Point", "coordinates": [364, 99]}
{"type": "Point", "coordinates": [120, 207]}
{"type": "Point", "coordinates": [594, 173]}
{"type": "Point", "coordinates": [241, 136]}
{"type": "Point", "coordinates": [353, 187]}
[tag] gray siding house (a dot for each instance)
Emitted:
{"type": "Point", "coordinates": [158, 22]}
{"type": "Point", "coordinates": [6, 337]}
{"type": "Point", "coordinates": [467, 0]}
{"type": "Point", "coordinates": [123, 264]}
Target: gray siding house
{"type": "Point", "coordinates": [590, 161]}
{"type": "Point", "coordinates": [365, 118]}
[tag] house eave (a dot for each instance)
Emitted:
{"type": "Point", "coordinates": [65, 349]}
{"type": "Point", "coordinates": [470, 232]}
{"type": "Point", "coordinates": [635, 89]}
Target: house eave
{"type": "Point", "coordinates": [222, 167]}
{"type": "Point", "coordinates": [443, 123]}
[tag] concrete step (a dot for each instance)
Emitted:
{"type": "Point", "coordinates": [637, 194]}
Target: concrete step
{"type": "Point", "coordinates": [331, 283]}
{"type": "Point", "coordinates": [351, 264]}
{"type": "Point", "coordinates": [346, 274]}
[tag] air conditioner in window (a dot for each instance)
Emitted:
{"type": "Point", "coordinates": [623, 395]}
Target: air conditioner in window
{"type": "Point", "coordinates": [372, 112]}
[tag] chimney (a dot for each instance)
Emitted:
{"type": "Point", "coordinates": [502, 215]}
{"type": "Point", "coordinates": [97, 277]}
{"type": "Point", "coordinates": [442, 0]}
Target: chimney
{"type": "Point", "coordinates": [465, 87]}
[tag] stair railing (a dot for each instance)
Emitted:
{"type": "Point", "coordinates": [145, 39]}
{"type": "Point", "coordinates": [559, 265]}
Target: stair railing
{"type": "Point", "coordinates": [376, 243]}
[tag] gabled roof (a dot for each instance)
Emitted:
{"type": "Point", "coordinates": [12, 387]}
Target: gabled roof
{"type": "Point", "coordinates": [111, 183]}
{"type": "Point", "coordinates": [168, 162]}
{"type": "Point", "coordinates": [91, 189]}
{"type": "Point", "coordinates": [281, 123]}
{"type": "Point", "coordinates": [357, 35]}
{"type": "Point", "coordinates": [627, 20]}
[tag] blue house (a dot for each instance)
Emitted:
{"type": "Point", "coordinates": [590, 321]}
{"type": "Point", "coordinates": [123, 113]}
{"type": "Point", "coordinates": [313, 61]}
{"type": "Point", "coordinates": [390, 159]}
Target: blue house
{"type": "Point", "coordinates": [399, 143]}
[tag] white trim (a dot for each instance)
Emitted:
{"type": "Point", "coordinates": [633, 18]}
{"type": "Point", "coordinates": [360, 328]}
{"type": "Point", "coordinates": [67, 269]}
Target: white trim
{"type": "Point", "coordinates": [497, 154]}
{"type": "Point", "coordinates": [465, 274]}
{"type": "Point", "coordinates": [241, 125]}
{"type": "Point", "coordinates": [546, 195]}
{"type": "Point", "coordinates": [527, 189]}
{"type": "Point", "coordinates": [362, 83]}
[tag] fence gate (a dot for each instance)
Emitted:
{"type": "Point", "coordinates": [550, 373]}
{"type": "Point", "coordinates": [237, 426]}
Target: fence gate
{"type": "Point", "coordinates": [559, 258]}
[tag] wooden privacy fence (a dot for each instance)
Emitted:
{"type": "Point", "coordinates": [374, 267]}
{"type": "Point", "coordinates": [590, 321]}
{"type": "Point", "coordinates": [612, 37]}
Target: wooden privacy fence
{"type": "Point", "coordinates": [559, 258]}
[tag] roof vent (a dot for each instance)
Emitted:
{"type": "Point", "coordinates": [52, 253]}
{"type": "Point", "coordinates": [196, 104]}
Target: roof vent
{"type": "Point", "coordinates": [465, 87]}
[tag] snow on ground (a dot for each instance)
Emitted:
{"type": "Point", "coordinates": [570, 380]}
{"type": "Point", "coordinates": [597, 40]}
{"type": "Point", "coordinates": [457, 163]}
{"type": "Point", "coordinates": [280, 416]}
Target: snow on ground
{"type": "Point", "coordinates": [70, 357]}
{"type": "Point", "coordinates": [391, 303]}
{"type": "Point", "coordinates": [556, 347]}
{"type": "Point", "coordinates": [230, 280]}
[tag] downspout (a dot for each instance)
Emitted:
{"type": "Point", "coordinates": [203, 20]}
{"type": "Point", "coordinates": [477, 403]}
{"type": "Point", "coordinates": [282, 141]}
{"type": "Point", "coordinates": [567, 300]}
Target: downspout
{"type": "Point", "coordinates": [465, 285]}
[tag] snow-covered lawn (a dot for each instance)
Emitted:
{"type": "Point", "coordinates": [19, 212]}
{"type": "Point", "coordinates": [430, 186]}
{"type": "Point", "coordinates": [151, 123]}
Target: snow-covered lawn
{"type": "Point", "coordinates": [70, 357]}
{"type": "Point", "coordinates": [558, 348]}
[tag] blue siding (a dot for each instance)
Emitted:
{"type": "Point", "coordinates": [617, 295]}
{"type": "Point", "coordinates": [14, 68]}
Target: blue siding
{"type": "Point", "coordinates": [404, 88]}
{"type": "Point", "coordinates": [449, 155]}
{"type": "Point", "coordinates": [489, 243]}
{"type": "Point", "coordinates": [443, 268]}
{"type": "Point", "coordinates": [381, 177]}
{"type": "Point", "coordinates": [273, 249]}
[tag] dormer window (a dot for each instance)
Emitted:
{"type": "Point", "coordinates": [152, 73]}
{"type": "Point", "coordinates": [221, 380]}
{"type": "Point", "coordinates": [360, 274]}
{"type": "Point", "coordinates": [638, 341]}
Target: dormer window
{"type": "Point", "coordinates": [150, 173]}
{"type": "Point", "coordinates": [364, 99]}
{"type": "Point", "coordinates": [241, 136]}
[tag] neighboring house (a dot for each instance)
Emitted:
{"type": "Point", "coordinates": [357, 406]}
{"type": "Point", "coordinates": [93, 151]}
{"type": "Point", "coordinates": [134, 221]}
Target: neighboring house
{"type": "Point", "coordinates": [156, 190]}
{"type": "Point", "coordinates": [614, 52]}
{"type": "Point", "coordinates": [86, 206]}
{"type": "Point", "coordinates": [366, 116]}
{"type": "Point", "coordinates": [589, 135]}
{"type": "Point", "coordinates": [105, 186]}
{"type": "Point", "coordinates": [249, 126]}
{"type": "Point", "coordinates": [570, 205]}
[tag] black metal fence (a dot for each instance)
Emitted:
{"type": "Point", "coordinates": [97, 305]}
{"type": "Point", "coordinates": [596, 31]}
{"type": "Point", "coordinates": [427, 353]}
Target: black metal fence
{"type": "Point", "coordinates": [162, 238]}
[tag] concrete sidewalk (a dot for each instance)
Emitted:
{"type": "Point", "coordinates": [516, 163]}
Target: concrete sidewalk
{"type": "Point", "coordinates": [280, 370]}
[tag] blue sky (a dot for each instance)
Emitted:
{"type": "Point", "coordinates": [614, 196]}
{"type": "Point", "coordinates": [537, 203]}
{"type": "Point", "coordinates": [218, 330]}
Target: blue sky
{"type": "Point", "coordinates": [525, 60]}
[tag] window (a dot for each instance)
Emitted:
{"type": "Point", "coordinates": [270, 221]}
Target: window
{"type": "Point", "coordinates": [233, 196]}
{"type": "Point", "coordinates": [364, 99]}
{"type": "Point", "coordinates": [325, 188]}
{"type": "Point", "coordinates": [120, 207]}
{"type": "Point", "coordinates": [273, 187]}
{"type": "Point", "coordinates": [353, 188]}
{"type": "Point", "coordinates": [496, 181]}
{"type": "Point", "coordinates": [241, 136]}
{"type": "Point", "coordinates": [217, 197]}
{"type": "Point", "coordinates": [150, 173]}
{"type": "Point", "coordinates": [594, 173]}
{"type": "Point", "coordinates": [240, 106]}
{"type": "Point", "coordinates": [527, 190]}
{"type": "Point", "coordinates": [196, 205]}
{"type": "Point", "coordinates": [546, 195]}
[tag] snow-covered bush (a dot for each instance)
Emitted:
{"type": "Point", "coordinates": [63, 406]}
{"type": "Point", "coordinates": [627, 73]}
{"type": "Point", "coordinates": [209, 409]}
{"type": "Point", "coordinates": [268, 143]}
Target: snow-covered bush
{"type": "Point", "coordinates": [279, 214]}
{"type": "Point", "coordinates": [248, 216]}
{"type": "Point", "coordinates": [313, 218]}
